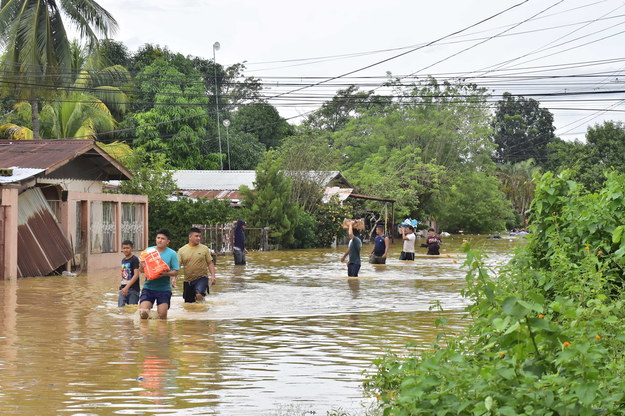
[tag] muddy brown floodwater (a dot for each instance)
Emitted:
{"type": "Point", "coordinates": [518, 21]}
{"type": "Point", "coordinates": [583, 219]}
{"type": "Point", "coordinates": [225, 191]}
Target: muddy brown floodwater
{"type": "Point", "coordinates": [286, 334]}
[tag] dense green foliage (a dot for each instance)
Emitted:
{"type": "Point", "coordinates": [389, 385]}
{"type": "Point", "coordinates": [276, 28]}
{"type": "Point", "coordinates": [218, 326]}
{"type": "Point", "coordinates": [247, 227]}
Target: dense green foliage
{"type": "Point", "coordinates": [263, 122]}
{"type": "Point", "coordinates": [152, 177]}
{"type": "Point", "coordinates": [271, 203]}
{"type": "Point", "coordinates": [546, 335]}
{"type": "Point", "coordinates": [268, 204]}
{"type": "Point", "coordinates": [604, 149]}
{"type": "Point", "coordinates": [522, 130]}
{"type": "Point", "coordinates": [38, 55]}
{"type": "Point", "coordinates": [178, 216]}
{"type": "Point", "coordinates": [472, 202]}
{"type": "Point", "coordinates": [404, 151]}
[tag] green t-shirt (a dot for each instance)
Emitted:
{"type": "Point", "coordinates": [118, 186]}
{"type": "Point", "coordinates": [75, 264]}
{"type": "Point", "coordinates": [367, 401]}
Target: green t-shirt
{"type": "Point", "coordinates": [170, 257]}
{"type": "Point", "coordinates": [194, 261]}
{"type": "Point", "coordinates": [354, 250]}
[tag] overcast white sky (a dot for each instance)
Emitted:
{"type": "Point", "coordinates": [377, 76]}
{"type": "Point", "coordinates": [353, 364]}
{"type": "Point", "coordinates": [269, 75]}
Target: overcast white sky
{"type": "Point", "coordinates": [560, 34]}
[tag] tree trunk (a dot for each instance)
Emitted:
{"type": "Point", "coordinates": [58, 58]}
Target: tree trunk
{"type": "Point", "coordinates": [34, 105]}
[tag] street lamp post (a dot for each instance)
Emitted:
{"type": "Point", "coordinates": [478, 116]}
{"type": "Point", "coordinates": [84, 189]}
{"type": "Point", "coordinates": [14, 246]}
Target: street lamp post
{"type": "Point", "coordinates": [226, 125]}
{"type": "Point", "coordinates": [216, 47]}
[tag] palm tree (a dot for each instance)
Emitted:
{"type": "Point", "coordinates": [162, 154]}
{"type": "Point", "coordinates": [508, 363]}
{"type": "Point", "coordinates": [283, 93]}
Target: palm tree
{"type": "Point", "coordinates": [38, 56]}
{"type": "Point", "coordinates": [70, 115]}
{"type": "Point", "coordinates": [93, 76]}
{"type": "Point", "coordinates": [517, 183]}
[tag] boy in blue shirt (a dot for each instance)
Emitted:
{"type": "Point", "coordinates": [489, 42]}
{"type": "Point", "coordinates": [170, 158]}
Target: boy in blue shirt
{"type": "Point", "coordinates": [159, 290]}
{"type": "Point", "coordinates": [129, 287]}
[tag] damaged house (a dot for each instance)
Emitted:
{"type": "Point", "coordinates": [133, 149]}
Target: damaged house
{"type": "Point", "coordinates": [54, 215]}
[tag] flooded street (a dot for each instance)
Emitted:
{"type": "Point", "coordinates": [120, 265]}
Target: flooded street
{"type": "Point", "coordinates": [289, 329]}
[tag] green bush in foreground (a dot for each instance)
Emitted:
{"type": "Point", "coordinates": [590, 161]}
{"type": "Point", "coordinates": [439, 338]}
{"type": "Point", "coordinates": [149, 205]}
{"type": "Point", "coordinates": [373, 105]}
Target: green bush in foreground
{"type": "Point", "coordinates": [546, 336]}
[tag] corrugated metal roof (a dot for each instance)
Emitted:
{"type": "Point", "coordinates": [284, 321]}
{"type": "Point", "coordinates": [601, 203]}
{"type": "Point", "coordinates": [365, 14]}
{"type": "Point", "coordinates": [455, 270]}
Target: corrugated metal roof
{"type": "Point", "coordinates": [217, 180]}
{"type": "Point", "coordinates": [341, 193]}
{"type": "Point", "coordinates": [214, 194]}
{"type": "Point", "coordinates": [56, 156]}
{"type": "Point", "coordinates": [19, 174]}
{"type": "Point", "coordinates": [231, 180]}
{"type": "Point", "coordinates": [41, 245]}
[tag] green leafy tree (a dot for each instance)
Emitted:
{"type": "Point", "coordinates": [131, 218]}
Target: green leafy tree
{"type": "Point", "coordinates": [182, 105]}
{"type": "Point", "coordinates": [38, 55]}
{"type": "Point", "coordinates": [233, 87]}
{"type": "Point", "coordinates": [522, 130]}
{"type": "Point", "coordinates": [346, 105]}
{"type": "Point", "coordinates": [245, 150]}
{"type": "Point", "coordinates": [300, 155]}
{"type": "Point", "coordinates": [263, 121]}
{"type": "Point", "coordinates": [152, 176]}
{"type": "Point", "coordinates": [113, 52]}
{"type": "Point", "coordinates": [269, 203]}
{"type": "Point", "coordinates": [473, 202]}
{"type": "Point", "coordinates": [562, 154]}
{"type": "Point", "coordinates": [405, 152]}
{"type": "Point", "coordinates": [605, 144]}
{"type": "Point", "coordinates": [602, 151]}
{"type": "Point", "coordinates": [92, 76]}
{"type": "Point", "coordinates": [329, 223]}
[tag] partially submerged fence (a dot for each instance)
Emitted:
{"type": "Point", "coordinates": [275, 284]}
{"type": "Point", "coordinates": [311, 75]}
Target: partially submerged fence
{"type": "Point", "coordinates": [220, 237]}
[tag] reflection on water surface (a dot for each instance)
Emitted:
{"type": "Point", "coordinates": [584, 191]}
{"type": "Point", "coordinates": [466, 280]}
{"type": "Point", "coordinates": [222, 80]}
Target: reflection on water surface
{"type": "Point", "coordinates": [287, 329]}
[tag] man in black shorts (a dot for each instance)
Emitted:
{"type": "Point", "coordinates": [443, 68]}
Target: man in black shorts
{"type": "Point", "coordinates": [196, 262]}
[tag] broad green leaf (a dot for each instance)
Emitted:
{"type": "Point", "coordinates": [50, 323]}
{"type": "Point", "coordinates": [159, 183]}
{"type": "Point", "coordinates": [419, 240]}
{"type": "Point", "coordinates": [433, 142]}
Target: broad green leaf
{"type": "Point", "coordinates": [617, 234]}
{"type": "Point", "coordinates": [586, 392]}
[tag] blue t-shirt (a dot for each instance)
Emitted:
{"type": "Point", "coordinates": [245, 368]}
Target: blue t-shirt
{"type": "Point", "coordinates": [170, 257]}
{"type": "Point", "coordinates": [380, 245]}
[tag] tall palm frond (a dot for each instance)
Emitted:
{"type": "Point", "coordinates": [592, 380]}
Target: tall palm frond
{"type": "Point", "coordinates": [38, 57]}
{"type": "Point", "coordinates": [76, 116]}
{"type": "Point", "coordinates": [14, 132]}
{"type": "Point", "coordinates": [118, 150]}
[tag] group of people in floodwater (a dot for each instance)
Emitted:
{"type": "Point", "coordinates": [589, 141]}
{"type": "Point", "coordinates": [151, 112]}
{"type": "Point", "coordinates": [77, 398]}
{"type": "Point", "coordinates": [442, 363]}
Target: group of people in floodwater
{"type": "Point", "coordinates": [196, 259]}
{"type": "Point", "coordinates": [198, 264]}
{"type": "Point", "coordinates": [381, 244]}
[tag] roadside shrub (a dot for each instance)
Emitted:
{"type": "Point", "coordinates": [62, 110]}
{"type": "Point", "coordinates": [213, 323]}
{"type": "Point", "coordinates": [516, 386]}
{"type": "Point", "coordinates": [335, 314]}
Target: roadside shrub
{"type": "Point", "coordinates": [304, 234]}
{"type": "Point", "coordinates": [329, 219]}
{"type": "Point", "coordinates": [545, 336]}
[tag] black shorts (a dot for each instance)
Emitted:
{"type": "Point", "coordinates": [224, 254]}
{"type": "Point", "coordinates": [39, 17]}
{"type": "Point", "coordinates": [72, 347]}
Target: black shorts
{"type": "Point", "coordinates": [352, 269]}
{"type": "Point", "coordinates": [190, 289]}
{"type": "Point", "coordinates": [406, 256]}
{"type": "Point", "coordinates": [158, 296]}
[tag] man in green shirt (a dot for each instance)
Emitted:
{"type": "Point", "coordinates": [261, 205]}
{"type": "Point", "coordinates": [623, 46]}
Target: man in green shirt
{"type": "Point", "coordinates": [196, 262]}
{"type": "Point", "coordinates": [353, 250]}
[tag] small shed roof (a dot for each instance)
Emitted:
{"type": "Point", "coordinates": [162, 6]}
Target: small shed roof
{"type": "Point", "coordinates": [62, 159]}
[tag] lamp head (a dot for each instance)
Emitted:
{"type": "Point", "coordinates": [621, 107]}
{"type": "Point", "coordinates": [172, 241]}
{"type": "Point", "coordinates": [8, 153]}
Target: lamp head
{"type": "Point", "coordinates": [216, 46]}
{"type": "Point", "coordinates": [226, 123]}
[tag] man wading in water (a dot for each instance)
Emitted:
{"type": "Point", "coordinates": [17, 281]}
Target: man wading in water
{"type": "Point", "coordinates": [238, 248]}
{"type": "Point", "coordinates": [353, 250]}
{"type": "Point", "coordinates": [197, 263]}
{"type": "Point", "coordinates": [380, 247]}
{"type": "Point", "coordinates": [158, 290]}
{"type": "Point", "coordinates": [407, 234]}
